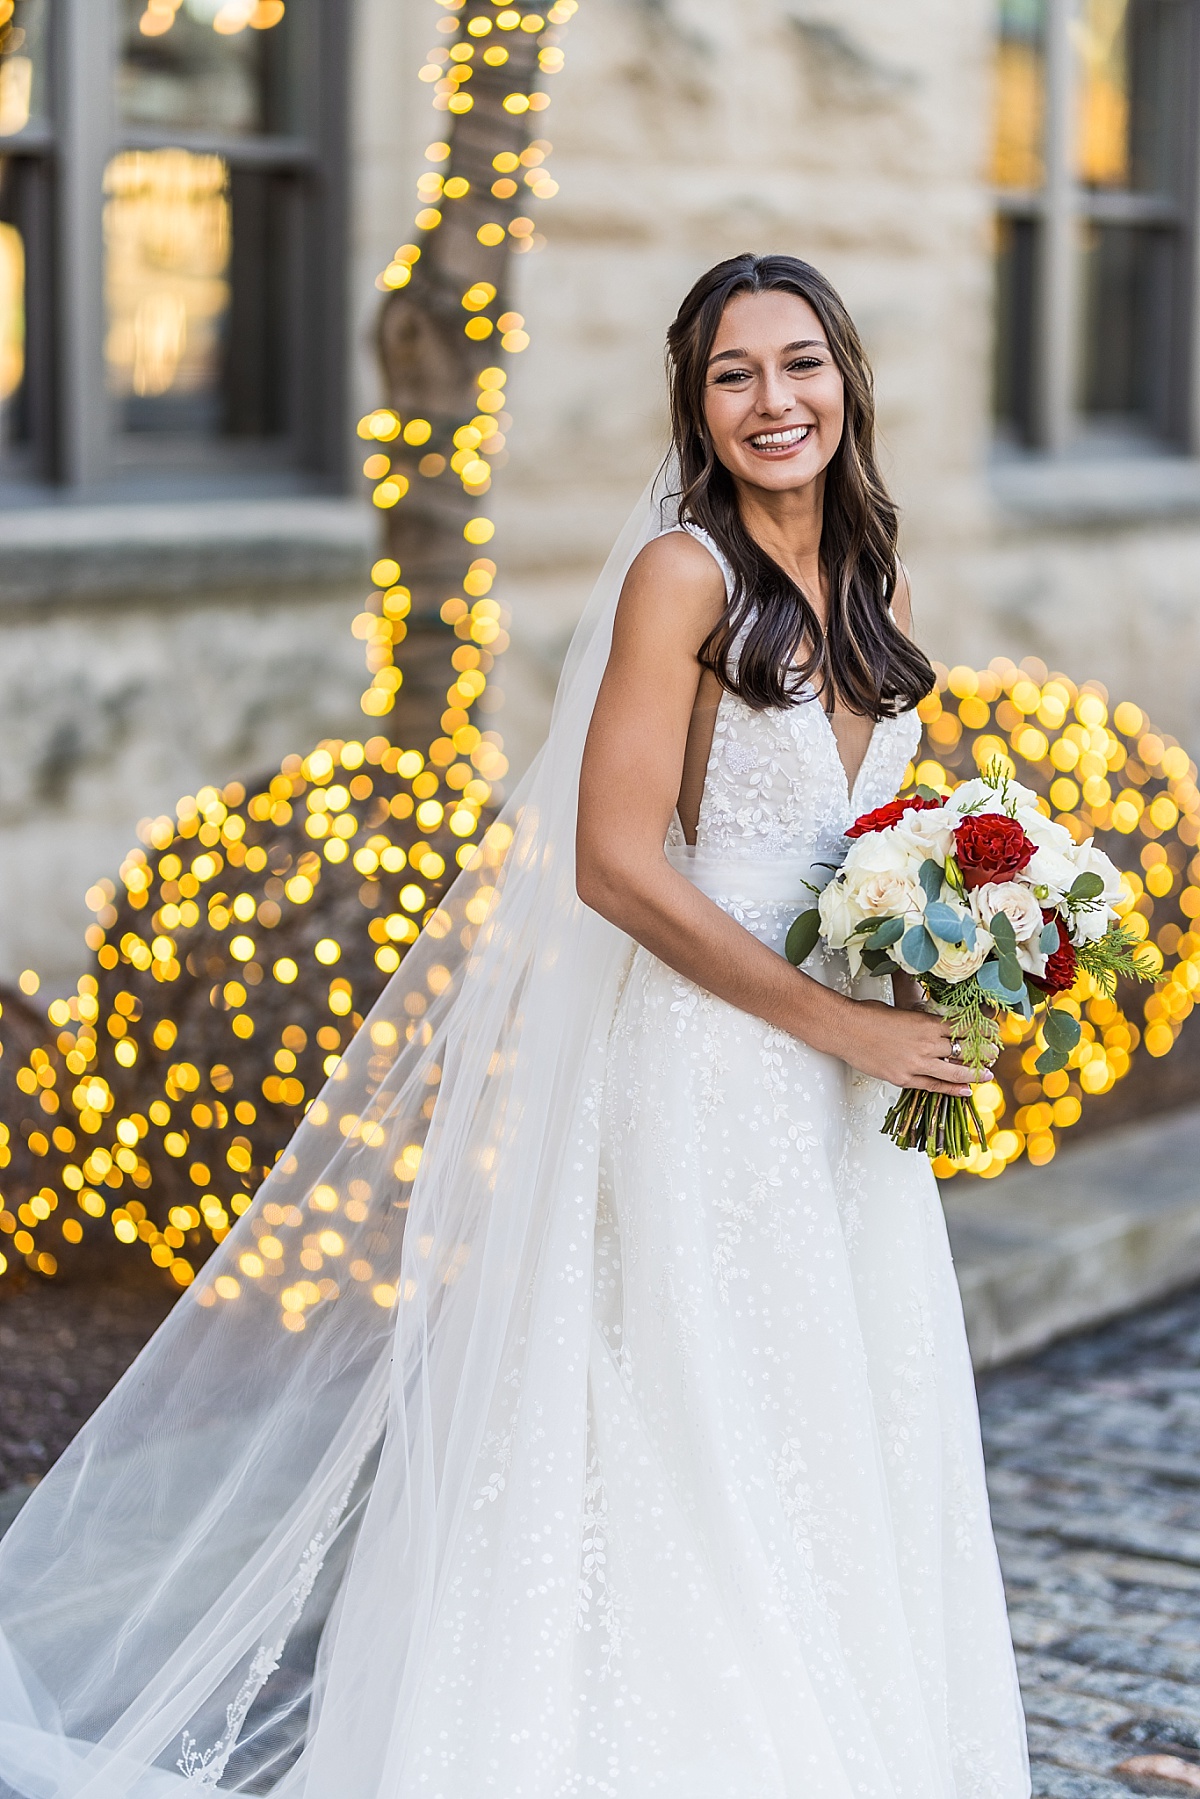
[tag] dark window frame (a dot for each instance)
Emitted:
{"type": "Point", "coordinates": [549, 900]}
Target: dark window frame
{"type": "Point", "coordinates": [1040, 324]}
{"type": "Point", "coordinates": [74, 441]}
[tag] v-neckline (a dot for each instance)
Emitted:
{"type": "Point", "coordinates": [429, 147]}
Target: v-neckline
{"type": "Point", "coordinates": [849, 786]}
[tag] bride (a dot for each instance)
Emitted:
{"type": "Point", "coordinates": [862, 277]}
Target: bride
{"type": "Point", "coordinates": [642, 1460]}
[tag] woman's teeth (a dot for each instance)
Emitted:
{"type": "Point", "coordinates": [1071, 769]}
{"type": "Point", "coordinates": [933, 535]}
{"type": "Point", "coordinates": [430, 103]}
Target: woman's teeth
{"type": "Point", "coordinates": [780, 440]}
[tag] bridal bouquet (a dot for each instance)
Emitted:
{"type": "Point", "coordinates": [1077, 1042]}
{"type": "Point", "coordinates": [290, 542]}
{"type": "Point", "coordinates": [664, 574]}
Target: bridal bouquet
{"type": "Point", "coordinates": [993, 908]}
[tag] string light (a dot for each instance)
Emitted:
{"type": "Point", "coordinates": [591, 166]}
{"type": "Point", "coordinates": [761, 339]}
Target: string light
{"type": "Point", "coordinates": [165, 1088]}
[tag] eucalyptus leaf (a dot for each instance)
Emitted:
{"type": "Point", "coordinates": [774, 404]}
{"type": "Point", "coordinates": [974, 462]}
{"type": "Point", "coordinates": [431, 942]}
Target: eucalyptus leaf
{"type": "Point", "coordinates": [1061, 1029]}
{"type": "Point", "coordinates": [1050, 1061]}
{"type": "Point", "coordinates": [1011, 973]}
{"type": "Point", "coordinates": [969, 930]}
{"type": "Point", "coordinates": [919, 950]}
{"type": "Point", "coordinates": [1048, 941]}
{"type": "Point", "coordinates": [991, 981]}
{"type": "Point", "coordinates": [890, 931]}
{"type": "Point", "coordinates": [877, 961]}
{"type": "Point", "coordinates": [1087, 886]}
{"type": "Point", "coordinates": [925, 792]}
{"type": "Point", "coordinates": [1001, 928]}
{"type": "Point", "coordinates": [931, 877]}
{"type": "Point", "coordinates": [802, 938]}
{"type": "Point", "coordinates": [944, 921]}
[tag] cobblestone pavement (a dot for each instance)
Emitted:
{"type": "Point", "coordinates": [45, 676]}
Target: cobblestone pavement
{"type": "Point", "coordinates": [1093, 1453]}
{"type": "Point", "coordinates": [63, 1345]}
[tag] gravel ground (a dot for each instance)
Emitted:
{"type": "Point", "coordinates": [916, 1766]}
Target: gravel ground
{"type": "Point", "coordinates": [1093, 1453]}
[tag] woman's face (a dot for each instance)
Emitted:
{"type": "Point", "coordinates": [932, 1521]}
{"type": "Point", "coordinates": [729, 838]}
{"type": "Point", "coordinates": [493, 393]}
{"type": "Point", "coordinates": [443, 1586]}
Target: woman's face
{"type": "Point", "coordinates": [773, 396]}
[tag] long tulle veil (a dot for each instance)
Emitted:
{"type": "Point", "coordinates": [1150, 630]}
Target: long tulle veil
{"type": "Point", "coordinates": [227, 1581]}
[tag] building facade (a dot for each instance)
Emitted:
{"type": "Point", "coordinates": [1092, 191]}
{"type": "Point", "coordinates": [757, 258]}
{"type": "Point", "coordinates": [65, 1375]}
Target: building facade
{"type": "Point", "coordinates": [196, 197]}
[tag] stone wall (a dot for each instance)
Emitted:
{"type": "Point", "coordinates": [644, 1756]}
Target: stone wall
{"type": "Point", "coordinates": [850, 132]}
{"type": "Point", "coordinates": [854, 135]}
{"type": "Point", "coordinates": [134, 668]}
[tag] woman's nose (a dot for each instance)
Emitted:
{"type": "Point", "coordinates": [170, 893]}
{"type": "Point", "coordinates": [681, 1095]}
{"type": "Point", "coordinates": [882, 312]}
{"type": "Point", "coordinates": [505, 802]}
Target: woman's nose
{"type": "Point", "coordinates": [774, 397]}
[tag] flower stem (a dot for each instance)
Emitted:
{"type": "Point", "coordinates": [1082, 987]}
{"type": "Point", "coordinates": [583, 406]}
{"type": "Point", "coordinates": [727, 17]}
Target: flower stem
{"type": "Point", "coordinates": [937, 1123]}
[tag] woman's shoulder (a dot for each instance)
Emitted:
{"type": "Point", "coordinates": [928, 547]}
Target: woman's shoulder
{"type": "Point", "coordinates": [675, 588]}
{"type": "Point", "coordinates": [686, 556]}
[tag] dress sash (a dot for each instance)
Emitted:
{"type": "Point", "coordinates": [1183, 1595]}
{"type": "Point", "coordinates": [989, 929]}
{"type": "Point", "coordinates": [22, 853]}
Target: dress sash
{"type": "Point", "coordinates": [767, 881]}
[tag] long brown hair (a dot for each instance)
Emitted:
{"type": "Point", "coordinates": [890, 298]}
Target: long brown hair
{"type": "Point", "coordinates": [769, 644]}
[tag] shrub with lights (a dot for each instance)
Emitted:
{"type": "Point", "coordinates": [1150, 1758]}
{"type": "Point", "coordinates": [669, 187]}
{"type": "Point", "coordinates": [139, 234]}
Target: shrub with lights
{"type": "Point", "coordinates": [246, 936]}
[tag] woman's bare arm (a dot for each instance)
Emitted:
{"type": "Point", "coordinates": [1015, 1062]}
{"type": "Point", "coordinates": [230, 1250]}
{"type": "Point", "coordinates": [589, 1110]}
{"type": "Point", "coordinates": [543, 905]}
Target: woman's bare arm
{"type": "Point", "coordinates": [632, 766]}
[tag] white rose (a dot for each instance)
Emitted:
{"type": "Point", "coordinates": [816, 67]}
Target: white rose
{"type": "Point", "coordinates": [1020, 906]}
{"type": "Point", "coordinates": [1043, 831]}
{"type": "Point", "coordinates": [1090, 922]}
{"type": "Point", "coordinates": [839, 912]}
{"type": "Point", "coordinates": [957, 963]}
{"type": "Point", "coordinates": [881, 852]}
{"type": "Point", "coordinates": [929, 833]}
{"type": "Point", "coordinates": [980, 796]}
{"type": "Point", "coordinates": [1052, 871]}
{"type": "Point", "coordinates": [972, 796]}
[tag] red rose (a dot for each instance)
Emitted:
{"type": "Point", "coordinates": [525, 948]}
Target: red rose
{"type": "Point", "coordinates": [990, 846]}
{"type": "Point", "coordinates": [1060, 968]}
{"type": "Point", "coordinates": [885, 816]}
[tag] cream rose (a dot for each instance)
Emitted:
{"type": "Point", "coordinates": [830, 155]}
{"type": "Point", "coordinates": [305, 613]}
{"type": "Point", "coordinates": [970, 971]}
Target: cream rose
{"type": "Point", "coordinates": [890, 895]}
{"type": "Point", "coordinates": [839, 911]}
{"type": "Point", "coordinates": [1020, 906]}
{"type": "Point", "coordinates": [881, 852]}
{"type": "Point", "coordinates": [957, 962]}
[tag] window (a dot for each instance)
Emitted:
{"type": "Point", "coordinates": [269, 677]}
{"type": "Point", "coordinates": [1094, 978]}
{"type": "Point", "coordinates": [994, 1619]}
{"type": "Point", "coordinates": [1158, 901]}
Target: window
{"type": "Point", "coordinates": [1092, 161]}
{"type": "Point", "coordinates": [170, 251]}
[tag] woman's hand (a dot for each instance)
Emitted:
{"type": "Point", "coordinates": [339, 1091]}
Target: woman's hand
{"type": "Point", "coordinates": [906, 1048]}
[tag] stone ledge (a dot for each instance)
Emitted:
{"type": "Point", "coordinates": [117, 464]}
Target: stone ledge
{"type": "Point", "coordinates": [1113, 1224]}
{"type": "Point", "coordinates": [1121, 490]}
{"type": "Point", "coordinates": [95, 552]}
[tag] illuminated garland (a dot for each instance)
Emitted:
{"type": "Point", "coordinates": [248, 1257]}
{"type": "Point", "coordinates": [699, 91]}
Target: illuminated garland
{"type": "Point", "coordinates": [117, 1105]}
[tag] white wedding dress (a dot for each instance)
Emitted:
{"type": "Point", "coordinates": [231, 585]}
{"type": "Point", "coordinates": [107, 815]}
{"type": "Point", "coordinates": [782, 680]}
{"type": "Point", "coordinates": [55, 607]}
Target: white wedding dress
{"type": "Point", "coordinates": [787, 1586]}
{"type": "Point", "coordinates": [685, 1500]}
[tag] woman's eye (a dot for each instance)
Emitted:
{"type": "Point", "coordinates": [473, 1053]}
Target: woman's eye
{"type": "Point", "coordinates": [805, 362]}
{"type": "Point", "coordinates": [730, 375]}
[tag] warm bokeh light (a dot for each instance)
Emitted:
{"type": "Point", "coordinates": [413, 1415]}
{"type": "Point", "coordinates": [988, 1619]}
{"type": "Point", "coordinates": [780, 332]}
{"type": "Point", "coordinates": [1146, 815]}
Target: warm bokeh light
{"type": "Point", "coordinates": [1101, 770]}
{"type": "Point", "coordinates": [164, 1087]}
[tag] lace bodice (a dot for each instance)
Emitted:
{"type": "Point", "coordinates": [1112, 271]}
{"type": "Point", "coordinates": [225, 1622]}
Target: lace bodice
{"type": "Point", "coordinates": [775, 784]}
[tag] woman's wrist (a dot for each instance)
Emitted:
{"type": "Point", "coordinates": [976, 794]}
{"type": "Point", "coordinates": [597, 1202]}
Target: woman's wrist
{"type": "Point", "coordinates": [825, 1018]}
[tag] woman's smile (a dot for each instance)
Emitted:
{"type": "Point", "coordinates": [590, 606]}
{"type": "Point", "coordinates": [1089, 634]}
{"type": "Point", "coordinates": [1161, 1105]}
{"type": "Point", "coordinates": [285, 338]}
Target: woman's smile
{"type": "Point", "coordinates": [779, 442]}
